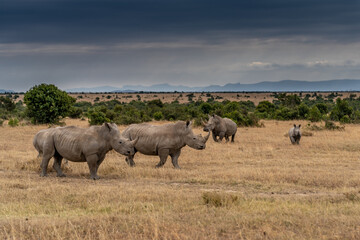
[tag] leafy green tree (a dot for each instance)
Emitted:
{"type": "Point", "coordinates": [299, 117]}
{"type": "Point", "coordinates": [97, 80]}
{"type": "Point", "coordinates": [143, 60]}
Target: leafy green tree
{"type": "Point", "coordinates": [45, 103]}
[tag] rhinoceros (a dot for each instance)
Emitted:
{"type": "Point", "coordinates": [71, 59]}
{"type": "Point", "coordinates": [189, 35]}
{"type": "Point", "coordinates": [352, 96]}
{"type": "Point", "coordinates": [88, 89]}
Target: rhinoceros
{"type": "Point", "coordinates": [40, 139]}
{"type": "Point", "coordinates": [82, 145]}
{"type": "Point", "coordinates": [295, 134]}
{"type": "Point", "coordinates": [163, 140]}
{"type": "Point", "coordinates": [220, 127]}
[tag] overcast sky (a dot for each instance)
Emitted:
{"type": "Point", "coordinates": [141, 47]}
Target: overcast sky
{"type": "Point", "coordinates": [80, 43]}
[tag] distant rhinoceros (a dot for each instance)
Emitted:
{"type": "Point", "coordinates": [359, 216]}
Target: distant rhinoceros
{"type": "Point", "coordinates": [163, 140]}
{"type": "Point", "coordinates": [295, 134]}
{"type": "Point", "coordinates": [221, 127]}
{"type": "Point", "coordinates": [82, 145]}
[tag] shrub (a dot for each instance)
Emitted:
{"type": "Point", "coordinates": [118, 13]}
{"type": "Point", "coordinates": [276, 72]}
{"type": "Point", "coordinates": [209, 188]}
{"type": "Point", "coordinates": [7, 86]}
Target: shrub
{"type": "Point", "coordinates": [331, 126]}
{"type": "Point", "coordinates": [205, 108]}
{"type": "Point", "coordinates": [46, 103]}
{"type": "Point", "coordinates": [1, 121]}
{"type": "Point", "coordinates": [97, 117]}
{"type": "Point", "coordinates": [265, 109]}
{"type": "Point", "coordinates": [7, 103]}
{"type": "Point", "coordinates": [314, 114]}
{"type": "Point", "coordinates": [341, 109]}
{"type": "Point", "coordinates": [13, 122]}
{"type": "Point", "coordinates": [285, 113]}
{"type": "Point", "coordinates": [158, 116]}
{"type": "Point", "coordinates": [323, 108]}
{"type": "Point", "coordinates": [75, 112]}
{"type": "Point", "coordinates": [303, 110]}
{"type": "Point", "coordinates": [248, 120]}
{"type": "Point", "coordinates": [345, 119]}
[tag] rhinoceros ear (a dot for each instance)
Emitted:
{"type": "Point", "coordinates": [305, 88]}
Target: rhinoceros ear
{"type": "Point", "coordinates": [188, 123]}
{"type": "Point", "coordinates": [295, 125]}
{"type": "Point", "coordinates": [108, 126]}
{"type": "Point", "coordinates": [299, 125]}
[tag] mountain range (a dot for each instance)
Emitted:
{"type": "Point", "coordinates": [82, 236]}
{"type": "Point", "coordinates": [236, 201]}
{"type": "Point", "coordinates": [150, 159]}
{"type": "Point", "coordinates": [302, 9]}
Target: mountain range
{"type": "Point", "coordinates": [6, 91]}
{"type": "Point", "coordinates": [280, 86]}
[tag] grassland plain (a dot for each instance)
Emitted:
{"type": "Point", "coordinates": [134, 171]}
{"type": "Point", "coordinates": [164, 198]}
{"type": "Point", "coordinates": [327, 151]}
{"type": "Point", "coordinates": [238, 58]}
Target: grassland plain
{"type": "Point", "coordinates": [182, 97]}
{"type": "Point", "coordinates": [260, 187]}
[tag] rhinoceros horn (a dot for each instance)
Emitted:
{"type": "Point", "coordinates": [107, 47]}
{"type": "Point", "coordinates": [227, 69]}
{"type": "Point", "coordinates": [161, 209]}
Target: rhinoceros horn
{"type": "Point", "coordinates": [203, 122]}
{"type": "Point", "coordinates": [207, 137]}
{"type": "Point", "coordinates": [133, 142]}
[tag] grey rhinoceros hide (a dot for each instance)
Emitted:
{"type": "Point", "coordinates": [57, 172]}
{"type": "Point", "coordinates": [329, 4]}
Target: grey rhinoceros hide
{"type": "Point", "coordinates": [221, 127]}
{"type": "Point", "coordinates": [295, 134]}
{"type": "Point", "coordinates": [163, 140]}
{"type": "Point", "coordinates": [81, 145]}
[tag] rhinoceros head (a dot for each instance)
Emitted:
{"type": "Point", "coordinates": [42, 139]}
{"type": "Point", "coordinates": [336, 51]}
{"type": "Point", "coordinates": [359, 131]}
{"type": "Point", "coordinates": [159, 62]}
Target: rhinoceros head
{"type": "Point", "coordinates": [118, 143]}
{"type": "Point", "coordinates": [210, 125]}
{"type": "Point", "coordinates": [296, 130]}
{"type": "Point", "coordinates": [194, 141]}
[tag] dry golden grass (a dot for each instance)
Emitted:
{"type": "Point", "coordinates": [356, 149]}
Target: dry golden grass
{"type": "Point", "coordinates": [260, 187]}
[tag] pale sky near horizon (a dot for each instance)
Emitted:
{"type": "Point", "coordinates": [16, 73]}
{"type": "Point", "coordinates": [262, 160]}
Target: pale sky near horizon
{"type": "Point", "coordinates": [83, 43]}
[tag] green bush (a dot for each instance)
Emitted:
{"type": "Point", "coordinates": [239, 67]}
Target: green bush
{"type": "Point", "coordinates": [285, 113]}
{"type": "Point", "coordinates": [75, 112]}
{"type": "Point", "coordinates": [345, 119]}
{"type": "Point", "coordinates": [7, 104]}
{"type": "Point", "coordinates": [323, 108]}
{"type": "Point", "coordinates": [158, 116]}
{"type": "Point", "coordinates": [47, 104]}
{"type": "Point", "coordinates": [314, 114]}
{"type": "Point", "coordinates": [341, 109]}
{"type": "Point", "coordinates": [331, 126]}
{"type": "Point", "coordinates": [13, 122]}
{"type": "Point", "coordinates": [97, 117]}
{"type": "Point", "coordinates": [303, 110]}
{"type": "Point", "coordinates": [265, 109]}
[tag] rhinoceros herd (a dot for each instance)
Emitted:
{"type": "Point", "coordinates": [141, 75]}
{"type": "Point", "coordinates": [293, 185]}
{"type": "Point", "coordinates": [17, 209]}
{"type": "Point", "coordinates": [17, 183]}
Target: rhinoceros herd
{"type": "Point", "coordinates": [92, 144]}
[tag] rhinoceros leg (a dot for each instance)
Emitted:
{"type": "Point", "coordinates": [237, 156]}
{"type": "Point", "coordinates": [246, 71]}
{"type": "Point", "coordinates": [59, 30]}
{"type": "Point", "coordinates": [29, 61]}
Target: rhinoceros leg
{"type": "Point", "coordinates": [48, 153]}
{"type": "Point", "coordinates": [174, 159]}
{"type": "Point", "coordinates": [163, 154]}
{"type": "Point", "coordinates": [221, 136]}
{"type": "Point", "coordinates": [292, 139]}
{"type": "Point", "coordinates": [99, 162]}
{"type": "Point", "coordinates": [214, 137]}
{"type": "Point", "coordinates": [232, 138]}
{"type": "Point", "coordinates": [227, 138]}
{"type": "Point", "coordinates": [57, 165]}
{"type": "Point", "coordinates": [92, 163]}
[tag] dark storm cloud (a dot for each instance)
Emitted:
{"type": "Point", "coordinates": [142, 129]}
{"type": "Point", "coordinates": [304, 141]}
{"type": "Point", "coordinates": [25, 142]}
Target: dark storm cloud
{"type": "Point", "coordinates": [57, 21]}
{"type": "Point", "coordinates": [76, 43]}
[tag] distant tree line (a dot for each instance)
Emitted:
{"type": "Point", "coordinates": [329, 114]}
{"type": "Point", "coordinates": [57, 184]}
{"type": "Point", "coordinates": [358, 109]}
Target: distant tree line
{"type": "Point", "coordinates": [47, 104]}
